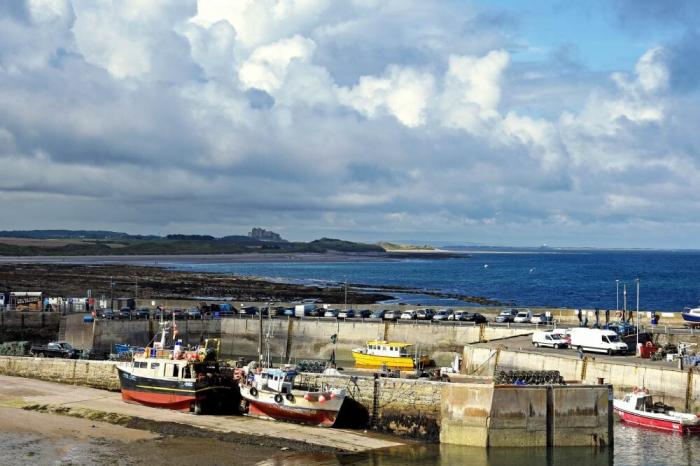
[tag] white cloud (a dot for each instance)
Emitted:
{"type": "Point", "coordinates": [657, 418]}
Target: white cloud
{"type": "Point", "coordinates": [404, 93]}
{"type": "Point", "coordinates": [266, 68]}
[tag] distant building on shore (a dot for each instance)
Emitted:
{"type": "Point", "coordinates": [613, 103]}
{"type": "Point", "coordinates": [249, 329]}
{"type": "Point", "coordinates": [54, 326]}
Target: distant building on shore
{"type": "Point", "coordinates": [264, 235]}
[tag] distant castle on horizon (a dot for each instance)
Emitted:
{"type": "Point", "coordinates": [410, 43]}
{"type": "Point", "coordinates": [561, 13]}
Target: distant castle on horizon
{"type": "Point", "coordinates": [264, 235]}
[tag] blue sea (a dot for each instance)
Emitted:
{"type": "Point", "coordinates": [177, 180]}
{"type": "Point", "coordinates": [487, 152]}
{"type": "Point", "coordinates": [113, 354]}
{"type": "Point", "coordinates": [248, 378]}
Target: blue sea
{"type": "Point", "coordinates": [668, 280]}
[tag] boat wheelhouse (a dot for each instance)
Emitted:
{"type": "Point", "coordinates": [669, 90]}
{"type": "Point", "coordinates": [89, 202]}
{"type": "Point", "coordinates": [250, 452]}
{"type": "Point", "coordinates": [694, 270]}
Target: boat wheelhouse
{"type": "Point", "coordinates": [392, 355]}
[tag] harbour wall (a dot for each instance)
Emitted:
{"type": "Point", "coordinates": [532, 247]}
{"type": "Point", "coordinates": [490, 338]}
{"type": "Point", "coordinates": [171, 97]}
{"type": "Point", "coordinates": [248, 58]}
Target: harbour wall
{"type": "Point", "coordinates": [679, 388]}
{"type": "Point", "coordinates": [36, 327]}
{"type": "Point", "coordinates": [96, 374]}
{"type": "Point", "coordinates": [474, 414]}
{"type": "Point", "coordinates": [290, 338]}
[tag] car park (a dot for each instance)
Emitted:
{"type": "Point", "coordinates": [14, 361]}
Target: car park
{"type": "Point", "coordinates": [346, 314]}
{"type": "Point", "coordinates": [378, 314]}
{"type": "Point", "coordinates": [551, 339]}
{"type": "Point", "coordinates": [523, 317]}
{"type": "Point", "coordinates": [507, 315]}
{"type": "Point", "coordinates": [409, 315]}
{"type": "Point", "coordinates": [392, 315]}
{"type": "Point", "coordinates": [442, 314]}
{"type": "Point", "coordinates": [331, 313]}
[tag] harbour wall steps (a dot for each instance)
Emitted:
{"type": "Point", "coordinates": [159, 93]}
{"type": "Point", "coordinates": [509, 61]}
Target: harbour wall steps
{"type": "Point", "coordinates": [679, 388]}
{"type": "Point", "coordinates": [475, 414]}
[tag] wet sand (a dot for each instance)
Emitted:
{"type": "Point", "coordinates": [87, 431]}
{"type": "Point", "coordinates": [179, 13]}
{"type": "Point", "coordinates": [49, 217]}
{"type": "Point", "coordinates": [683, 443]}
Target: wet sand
{"type": "Point", "coordinates": [35, 438]}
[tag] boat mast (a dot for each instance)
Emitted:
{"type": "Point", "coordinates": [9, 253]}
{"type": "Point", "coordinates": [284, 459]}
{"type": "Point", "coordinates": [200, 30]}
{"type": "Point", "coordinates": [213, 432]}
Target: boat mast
{"type": "Point", "coordinates": [260, 336]}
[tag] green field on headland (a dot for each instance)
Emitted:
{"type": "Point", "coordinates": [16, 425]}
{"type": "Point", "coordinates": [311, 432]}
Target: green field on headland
{"type": "Point", "coordinates": [69, 243]}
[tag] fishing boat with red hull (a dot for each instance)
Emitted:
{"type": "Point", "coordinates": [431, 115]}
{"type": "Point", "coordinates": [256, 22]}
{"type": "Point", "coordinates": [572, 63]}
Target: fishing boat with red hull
{"type": "Point", "coordinates": [181, 380]}
{"type": "Point", "coordinates": [269, 393]}
{"type": "Point", "coordinates": [639, 408]}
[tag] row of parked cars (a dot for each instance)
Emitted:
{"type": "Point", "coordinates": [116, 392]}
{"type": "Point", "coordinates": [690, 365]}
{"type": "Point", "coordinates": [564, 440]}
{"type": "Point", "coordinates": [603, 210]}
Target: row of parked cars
{"type": "Point", "coordinates": [522, 316]}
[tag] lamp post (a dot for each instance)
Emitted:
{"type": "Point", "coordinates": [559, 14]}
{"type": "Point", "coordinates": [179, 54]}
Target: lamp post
{"type": "Point", "coordinates": [617, 295]}
{"type": "Point", "coordinates": [637, 280]}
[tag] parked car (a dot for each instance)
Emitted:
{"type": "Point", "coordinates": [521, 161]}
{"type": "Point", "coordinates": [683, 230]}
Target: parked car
{"type": "Point", "coordinates": [542, 318]}
{"type": "Point", "coordinates": [473, 317]}
{"type": "Point", "coordinates": [378, 314]}
{"type": "Point", "coordinates": [142, 313]}
{"type": "Point", "coordinates": [550, 338]}
{"type": "Point", "coordinates": [107, 314]}
{"type": "Point", "coordinates": [277, 311]}
{"type": "Point", "coordinates": [442, 314]}
{"type": "Point", "coordinates": [124, 313]}
{"type": "Point", "coordinates": [425, 314]}
{"type": "Point", "coordinates": [331, 313]}
{"type": "Point", "coordinates": [193, 313]}
{"type": "Point", "coordinates": [177, 314]}
{"type": "Point", "coordinates": [364, 313]}
{"type": "Point", "coordinates": [55, 349]}
{"type": "Point", "coordinates": [346, 314]}
{"type": "Point", "coordinates": [523, 317]}
{"type": "Point", "coordinates": [457, 316]}
{"type": "Point", "coordinates": [409, 315]}
{"type": "Point", "coordinates": [507, 315]}
{"type": "Point", "coordinates": [392, 315]}
{"type": "Point", "coordinates": [161, 313]}
{"type": "Point", "coordinates": [250, 310]}
{"type": "Point", "coordinates": [289, 312]}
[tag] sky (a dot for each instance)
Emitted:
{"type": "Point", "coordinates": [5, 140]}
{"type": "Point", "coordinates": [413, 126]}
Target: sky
{"type": "Point", "coordinates": [496, 122]}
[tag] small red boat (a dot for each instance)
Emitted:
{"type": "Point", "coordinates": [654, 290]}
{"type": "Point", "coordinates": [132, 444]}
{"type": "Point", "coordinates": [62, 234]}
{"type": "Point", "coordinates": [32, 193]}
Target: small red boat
{"type": "Point", "coordinates": [270, 394]}
{"type": "Point", "coordinates": [639, 408]}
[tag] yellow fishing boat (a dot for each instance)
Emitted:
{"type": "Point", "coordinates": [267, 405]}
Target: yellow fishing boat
{"type": "Point", "coordinates": [393, 355]}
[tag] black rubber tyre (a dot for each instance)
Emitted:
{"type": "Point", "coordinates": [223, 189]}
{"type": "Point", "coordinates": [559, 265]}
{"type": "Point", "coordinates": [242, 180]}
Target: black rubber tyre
{"type": "Point", "coordinates": [537, 345]}
{"type": "Point", "coordinates": [290, 397]}
{"type": "Point", "coordinates": [278, 398]}
{"type": "Point", "coordinates": [253, 391]}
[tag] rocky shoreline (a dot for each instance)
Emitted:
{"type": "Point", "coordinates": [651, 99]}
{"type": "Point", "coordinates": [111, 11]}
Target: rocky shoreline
{"type": "Point", "coordinates": [73, 280]}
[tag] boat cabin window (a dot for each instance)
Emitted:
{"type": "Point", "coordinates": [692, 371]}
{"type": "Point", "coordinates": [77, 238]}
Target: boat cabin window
{"type": "Point", "coordinates": [644, 404]}
{"type": "Point", "coordinates": [186, 372]}
{"type": "Point", "coordinates": [141, 364]}
{"type": "Point", "coordinates": [176, 370]}
{"type": "Point", "coordinates": [155, 365]}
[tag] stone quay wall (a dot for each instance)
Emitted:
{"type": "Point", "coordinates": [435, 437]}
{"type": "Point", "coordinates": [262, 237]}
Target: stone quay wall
{"type": "Point", "coordinates": [34, 326]}
{"type": "Point", "coordinates": [96, 374]}
{"type": "Point", "coordinates": [679, 388]}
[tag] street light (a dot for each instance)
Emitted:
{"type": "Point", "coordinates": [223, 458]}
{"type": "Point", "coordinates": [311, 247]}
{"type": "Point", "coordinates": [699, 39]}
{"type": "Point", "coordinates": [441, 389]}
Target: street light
{"type": "Point", "coordinates": [637, 280]}
{"type": "Point", "coordinates": [617, 295]}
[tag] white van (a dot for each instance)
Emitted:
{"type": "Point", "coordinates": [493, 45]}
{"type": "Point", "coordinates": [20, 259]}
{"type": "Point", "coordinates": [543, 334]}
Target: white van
{"type": "Point", "coordinates": [597, 340]}
{"type": "Point", "coordinates": [552, 339]}
{"type": "Point", "coordinates": [523, 317]}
